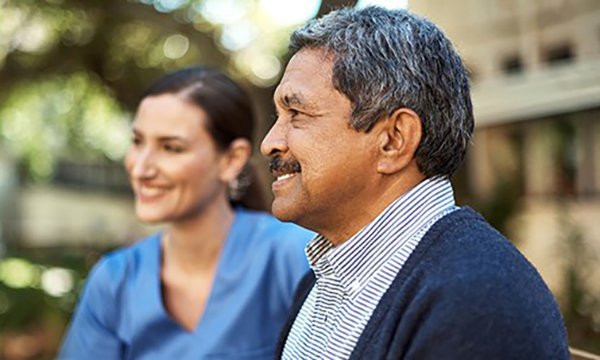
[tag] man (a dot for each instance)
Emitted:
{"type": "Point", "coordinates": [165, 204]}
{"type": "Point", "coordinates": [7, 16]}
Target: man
{"type": "Point", "coordinates": [374, 116]}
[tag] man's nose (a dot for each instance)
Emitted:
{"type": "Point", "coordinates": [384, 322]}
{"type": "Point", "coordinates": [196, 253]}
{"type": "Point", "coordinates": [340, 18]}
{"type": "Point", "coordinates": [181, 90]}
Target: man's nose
{"type": "Point", "coordinates": [275, 141]}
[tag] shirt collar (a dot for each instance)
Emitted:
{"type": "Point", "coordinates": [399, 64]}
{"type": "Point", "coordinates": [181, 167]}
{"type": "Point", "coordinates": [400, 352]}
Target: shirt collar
{"type": "Point", "coordinates": [356, 260]}
{"type": "Point", "coordinates": [315, 251]}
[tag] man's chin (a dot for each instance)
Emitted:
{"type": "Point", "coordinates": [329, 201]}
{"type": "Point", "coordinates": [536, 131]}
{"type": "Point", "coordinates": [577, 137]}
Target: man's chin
{"type": "Point", "coordinates": [284, 211]}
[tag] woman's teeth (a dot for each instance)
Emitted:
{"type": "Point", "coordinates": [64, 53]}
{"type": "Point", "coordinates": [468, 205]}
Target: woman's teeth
{"type": "Point", "coordinates": [151, 191]}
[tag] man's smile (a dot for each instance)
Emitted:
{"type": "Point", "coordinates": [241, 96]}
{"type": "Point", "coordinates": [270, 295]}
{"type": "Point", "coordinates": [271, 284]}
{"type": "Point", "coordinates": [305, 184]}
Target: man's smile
{"type": "Point", "coordinates": [284, 169]}
{"type": "Point", "coordinates": [285, 176]}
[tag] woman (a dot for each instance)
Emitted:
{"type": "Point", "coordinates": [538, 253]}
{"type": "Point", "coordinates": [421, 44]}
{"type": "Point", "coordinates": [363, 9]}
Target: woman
{"type": "Point", "coordinates": [218, 281]}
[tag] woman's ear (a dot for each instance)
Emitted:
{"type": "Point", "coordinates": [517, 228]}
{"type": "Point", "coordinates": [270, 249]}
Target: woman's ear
{"type": "Point", "coordinates": [399, 137]}
{"type": "Point", "coordinates": [234, 159]}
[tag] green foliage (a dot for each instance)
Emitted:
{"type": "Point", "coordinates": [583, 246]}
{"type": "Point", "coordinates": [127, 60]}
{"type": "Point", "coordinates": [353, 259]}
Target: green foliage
{"type": "Point", "coordinates": [39, 288]}
{"type": "Point", "coordinates": [63, 116]}
{"type": "Point", "coordinates": [42, 283]}
{"type": "Point", "coordinates": [580, 305]}
{"type": "Point", "coordinates": [501, 205]}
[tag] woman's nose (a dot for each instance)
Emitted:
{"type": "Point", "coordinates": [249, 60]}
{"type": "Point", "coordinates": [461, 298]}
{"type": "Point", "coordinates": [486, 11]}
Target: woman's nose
{"type": "Point", "coordinates": [141, 164]}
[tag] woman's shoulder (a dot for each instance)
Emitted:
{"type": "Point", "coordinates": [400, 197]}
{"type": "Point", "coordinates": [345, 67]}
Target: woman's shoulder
{"type": "Point", "coordinates": [268, 227]}
{"type": "Point", "coordinates": [105, 308]}
{"type": "Point", "coordinates": [118, 264]}
{"type": "Point", "coordinates": [282, 243]}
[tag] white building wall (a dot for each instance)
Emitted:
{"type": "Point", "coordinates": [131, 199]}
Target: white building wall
{"type": "Point", "coordinates": [50, 215]}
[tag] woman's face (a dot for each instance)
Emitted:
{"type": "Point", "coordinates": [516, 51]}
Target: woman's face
{"type": "Point", "coordinates": [174, 166]}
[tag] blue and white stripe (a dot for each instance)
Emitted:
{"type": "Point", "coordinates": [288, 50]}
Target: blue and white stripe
{"type": "Point", "coordinates": [352, 277]}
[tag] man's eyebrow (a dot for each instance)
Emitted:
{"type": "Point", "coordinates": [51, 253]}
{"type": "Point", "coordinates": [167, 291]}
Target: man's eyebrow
{"type": "Point", "coordinates": [293, 100]}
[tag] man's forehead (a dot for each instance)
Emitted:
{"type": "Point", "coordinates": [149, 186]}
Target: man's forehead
{"type": "Point", "coordinates": [308, 74]}
{"type": "Point", "coordinates": [316, 62]}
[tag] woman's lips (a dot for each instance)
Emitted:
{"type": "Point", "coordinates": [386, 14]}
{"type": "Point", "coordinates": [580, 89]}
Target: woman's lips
{"type": "Point", "coordinates": [148, 193]}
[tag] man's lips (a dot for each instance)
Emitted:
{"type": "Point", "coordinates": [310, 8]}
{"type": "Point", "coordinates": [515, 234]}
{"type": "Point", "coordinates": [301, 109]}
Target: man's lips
{"type": "Point", "coordinates": [285, 176]}
{"type": "Point", "coordinates": [284, 169]}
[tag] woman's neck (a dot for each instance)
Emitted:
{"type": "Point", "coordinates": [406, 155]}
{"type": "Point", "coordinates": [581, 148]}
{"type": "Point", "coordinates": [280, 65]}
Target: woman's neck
{"type": "Point", "coordinates": [195, 244]}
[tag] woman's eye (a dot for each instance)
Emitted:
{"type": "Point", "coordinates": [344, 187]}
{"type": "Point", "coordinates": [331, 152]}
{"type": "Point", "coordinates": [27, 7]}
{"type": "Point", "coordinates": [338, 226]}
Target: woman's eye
{"type": "Point", "coordinates": [136, 140]}
{"type": "Point", "coordinates": [173, 148]}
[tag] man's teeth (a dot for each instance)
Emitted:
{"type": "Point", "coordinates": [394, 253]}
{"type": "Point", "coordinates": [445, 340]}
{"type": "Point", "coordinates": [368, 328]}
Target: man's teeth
{"type": "Point", "coordinates": [285, 176]}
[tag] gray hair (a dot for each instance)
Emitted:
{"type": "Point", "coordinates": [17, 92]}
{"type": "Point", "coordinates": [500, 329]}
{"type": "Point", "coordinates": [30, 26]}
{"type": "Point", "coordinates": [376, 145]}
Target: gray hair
{"type": "Point", "coordinates": [388, 59]}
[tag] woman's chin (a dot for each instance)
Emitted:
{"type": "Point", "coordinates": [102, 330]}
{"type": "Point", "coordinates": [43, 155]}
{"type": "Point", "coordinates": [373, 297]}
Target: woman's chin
{"type": "Point", "coordinates": [150, 218]}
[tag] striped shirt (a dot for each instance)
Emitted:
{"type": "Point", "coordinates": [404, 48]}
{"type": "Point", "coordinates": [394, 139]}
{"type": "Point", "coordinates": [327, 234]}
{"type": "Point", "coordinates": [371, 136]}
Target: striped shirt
{"type": "Point", "coordinates": [352, 277]}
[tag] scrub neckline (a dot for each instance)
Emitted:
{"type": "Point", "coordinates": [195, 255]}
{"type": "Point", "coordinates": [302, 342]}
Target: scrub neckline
{"type": "Point", "coordinates": [238, 213]}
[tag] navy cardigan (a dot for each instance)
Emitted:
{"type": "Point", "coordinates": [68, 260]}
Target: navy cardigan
{"type": "Point", "coordinates": [465, 293]}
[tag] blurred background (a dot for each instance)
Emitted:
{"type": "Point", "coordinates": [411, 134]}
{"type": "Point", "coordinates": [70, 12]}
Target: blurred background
{"type": "Point", "coordinates": [71, 73]}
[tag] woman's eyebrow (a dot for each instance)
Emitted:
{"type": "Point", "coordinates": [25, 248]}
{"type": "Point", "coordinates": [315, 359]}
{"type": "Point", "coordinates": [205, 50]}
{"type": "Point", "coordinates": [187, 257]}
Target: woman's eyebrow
{"type": "Point", "coordinates": [162, 138]}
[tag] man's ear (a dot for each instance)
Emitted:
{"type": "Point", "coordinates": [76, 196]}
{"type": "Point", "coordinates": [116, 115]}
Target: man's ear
{"type": "Point", "coordinates": [399, 137]}
{"type": "Point", "coordinates": [234, 159]}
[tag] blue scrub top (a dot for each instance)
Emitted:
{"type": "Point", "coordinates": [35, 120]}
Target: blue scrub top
{"type": "Point", "coordinates": [121, 314]}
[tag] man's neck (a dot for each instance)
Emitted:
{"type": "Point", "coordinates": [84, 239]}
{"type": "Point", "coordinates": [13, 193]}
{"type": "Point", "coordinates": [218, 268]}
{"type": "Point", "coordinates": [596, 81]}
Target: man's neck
{"type": "Point", "coordinates": [341, 226]}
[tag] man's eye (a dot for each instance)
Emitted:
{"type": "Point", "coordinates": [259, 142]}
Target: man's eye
{"type": "Point", "coordinates": [296, 114]}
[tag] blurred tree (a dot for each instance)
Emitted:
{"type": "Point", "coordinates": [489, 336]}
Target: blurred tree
{"type": "Point", "coordinates": [72, 71]}
{"type": "Point", "coordinates": [124, 44]}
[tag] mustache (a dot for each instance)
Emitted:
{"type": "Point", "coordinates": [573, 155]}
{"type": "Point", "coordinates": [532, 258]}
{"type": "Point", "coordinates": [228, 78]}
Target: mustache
{"type": "Point", "coordinates": [278, 165]}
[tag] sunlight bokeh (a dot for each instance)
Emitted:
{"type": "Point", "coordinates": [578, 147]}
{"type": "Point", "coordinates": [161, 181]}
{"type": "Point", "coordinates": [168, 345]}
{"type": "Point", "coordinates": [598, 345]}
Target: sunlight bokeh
{"type": "Point", "coordinates": [289, 12]}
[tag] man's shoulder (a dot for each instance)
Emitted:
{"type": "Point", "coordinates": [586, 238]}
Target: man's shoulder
{"type": "Point", "coordinates": [464, 263]}
{"type": "Point", "coordinates": [465, 284]}
{"type": "Point", "coordinates": [463, 248]}
{"type": "Point", "coordinates": [465, 238]}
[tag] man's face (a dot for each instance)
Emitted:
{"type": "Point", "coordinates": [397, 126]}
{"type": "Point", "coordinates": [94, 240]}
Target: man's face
{"type": "Point", "coordinates": [323, 166]}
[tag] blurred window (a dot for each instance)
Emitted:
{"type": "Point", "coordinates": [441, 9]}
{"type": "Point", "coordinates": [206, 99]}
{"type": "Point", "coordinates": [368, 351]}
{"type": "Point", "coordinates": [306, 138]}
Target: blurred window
{"type": "Point", "coordinates": [559, 54]}
{"type": "Point", "coordinates": [512, 65]}
{"type": "Point", "coordinates": [565, 152]}
{"type": "Point", "coordinates": [109, 177]}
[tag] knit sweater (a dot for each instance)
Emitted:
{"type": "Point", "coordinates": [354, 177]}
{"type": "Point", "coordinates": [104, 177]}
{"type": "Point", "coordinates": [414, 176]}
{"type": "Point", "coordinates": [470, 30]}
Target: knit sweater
{"type": "Point", "coordinates": [465, 293]}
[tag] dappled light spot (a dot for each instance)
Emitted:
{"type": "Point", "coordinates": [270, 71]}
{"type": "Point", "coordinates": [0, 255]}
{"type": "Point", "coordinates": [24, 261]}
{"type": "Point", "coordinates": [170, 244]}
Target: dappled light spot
{"type": "Point", "coordinates": [57, 281]}
{"type": "Point", "coordinates": [239, 35]}
{"type": "Point", "coordinates": [176, 46]}
{"type": "Point", "coordinates": [223, 11]}
{"type": "Point", "coordinates": [290, 12]}
{"type": "Point", "coordinates": [266, 67]}
{"type": "Point", "coordinates": [18, 273]}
